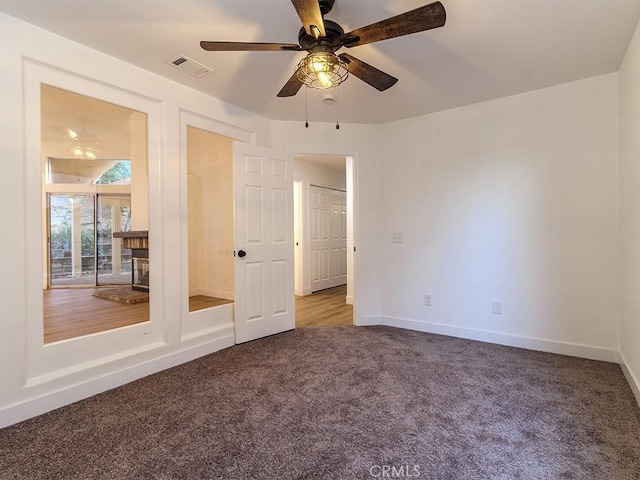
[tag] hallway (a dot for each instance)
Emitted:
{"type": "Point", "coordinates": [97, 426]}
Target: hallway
{"type": "Point", "coordinates": [324, 308]}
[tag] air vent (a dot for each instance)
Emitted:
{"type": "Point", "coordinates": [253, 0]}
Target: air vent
{"type": "Point", "coordinates": [190, 66]}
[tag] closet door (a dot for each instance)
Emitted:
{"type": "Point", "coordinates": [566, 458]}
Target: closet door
{"type": "Point", "coordinates": [338, 238]}
{"type": "Point", "coordinates": [328, 237]}
{"type": "Point", "coordinates": [320, 237]}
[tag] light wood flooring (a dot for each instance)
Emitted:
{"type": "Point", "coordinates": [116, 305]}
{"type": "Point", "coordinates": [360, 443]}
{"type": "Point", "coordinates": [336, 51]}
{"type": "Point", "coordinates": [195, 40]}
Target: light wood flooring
{"type": "Point", "coordinates": [324, 308]}
{"type": "Point", "coordinates": [200, 302]}
{"type": "Point", "coordinates": [74, 312]}
{"type": "Point", "coordinates": [70, 313]}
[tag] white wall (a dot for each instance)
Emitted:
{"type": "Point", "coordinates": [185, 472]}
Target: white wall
{"type": "Point", "coordinates": [630, 210]}
{"type": "Point", "coordinates": [34, 379]}
{"type": "Point", "coordinates": [513, 200]}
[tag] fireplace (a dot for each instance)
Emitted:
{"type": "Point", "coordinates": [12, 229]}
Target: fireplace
{"type": "Point", "coordinates": [140, 270]}
{"type": "Point", "coordinates": [138, 242]}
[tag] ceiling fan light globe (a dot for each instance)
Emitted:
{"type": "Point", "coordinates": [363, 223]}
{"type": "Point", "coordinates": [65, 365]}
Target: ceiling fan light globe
{"type": "Point", "coordinates": [324, 79]}
{"type": "Point", "coordinates": [322, 70]}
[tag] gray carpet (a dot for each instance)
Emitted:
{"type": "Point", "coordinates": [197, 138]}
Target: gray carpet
{"type": "Point", "coordinates": [345, 403]}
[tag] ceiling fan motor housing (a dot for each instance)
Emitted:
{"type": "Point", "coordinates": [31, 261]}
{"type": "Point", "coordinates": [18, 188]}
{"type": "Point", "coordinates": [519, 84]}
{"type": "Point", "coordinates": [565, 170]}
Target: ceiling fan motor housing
{"type": "Point", "coordinates": [326, 6]}
{"type": "Point", "coordinates": [332, 40]}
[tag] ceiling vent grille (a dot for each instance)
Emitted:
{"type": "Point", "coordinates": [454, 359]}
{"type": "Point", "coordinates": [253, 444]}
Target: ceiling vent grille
{"type": "Point", "coordinates": [190, 66]}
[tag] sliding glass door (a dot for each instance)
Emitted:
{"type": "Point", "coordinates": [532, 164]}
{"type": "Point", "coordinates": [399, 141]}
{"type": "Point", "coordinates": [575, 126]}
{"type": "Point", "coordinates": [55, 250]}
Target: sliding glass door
{"type": "Point", "coordinates": [82, 250]}
{"type": "Point", "coordinates": [113, 261]}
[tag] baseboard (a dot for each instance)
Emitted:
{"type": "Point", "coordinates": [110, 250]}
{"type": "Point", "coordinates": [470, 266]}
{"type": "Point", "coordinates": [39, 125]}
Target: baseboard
{"type": "Point", "coordinates": [368, 320]}
{"type": "Point", "coordinates": [37, 406]}
{"type": "Point", "coordinates": [631, 378]}
{"type": "Point", "coordinates": [211, 293]}
{"type": "Point", "coordinates": [551, 346]}
{"type": "Point", "coordinates": [349, 300]}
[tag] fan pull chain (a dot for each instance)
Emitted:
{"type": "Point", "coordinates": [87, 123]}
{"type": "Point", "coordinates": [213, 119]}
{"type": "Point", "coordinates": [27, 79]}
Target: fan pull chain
{"type": "Point", "coordinates": [337, 109]}
{"type": "Point", "coordinates": [306, 107]}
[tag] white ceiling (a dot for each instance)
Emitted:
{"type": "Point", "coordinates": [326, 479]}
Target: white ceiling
{"type": "Point", "coordinates": [102, 126]}
{"type": "Point", "coordinates": [487, 49]}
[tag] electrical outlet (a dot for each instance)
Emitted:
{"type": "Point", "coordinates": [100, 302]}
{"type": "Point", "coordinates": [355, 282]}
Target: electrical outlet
{"type": "Point", "coordinates": [397, 237]}
{"type": "Point", "coordinates": [427, 300]}
{"type": "Point", "coordinates": [496, 308]}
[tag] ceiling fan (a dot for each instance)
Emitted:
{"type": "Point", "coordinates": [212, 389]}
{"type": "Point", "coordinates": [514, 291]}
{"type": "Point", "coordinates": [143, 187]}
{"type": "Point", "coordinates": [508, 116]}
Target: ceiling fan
{"type": "Point", "coordinates": [321, 38]}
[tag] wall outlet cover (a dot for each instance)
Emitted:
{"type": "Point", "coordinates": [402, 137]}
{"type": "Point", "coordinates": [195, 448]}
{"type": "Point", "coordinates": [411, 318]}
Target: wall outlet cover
{"type": "Point", "coordinates": [496, 308]}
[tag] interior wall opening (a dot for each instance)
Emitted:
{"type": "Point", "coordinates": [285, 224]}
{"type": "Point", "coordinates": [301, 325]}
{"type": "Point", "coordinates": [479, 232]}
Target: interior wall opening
{"type": "Point", "coordinates": [210, 219]}
{"type": "Point", "coordinates": [95, 215]}
{"type": "Point", "coordinates": [323, 226]}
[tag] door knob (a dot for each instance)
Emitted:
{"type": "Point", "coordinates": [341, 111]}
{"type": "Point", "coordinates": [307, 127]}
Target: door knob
{"type": "Point", "coordinates": [241, 253]}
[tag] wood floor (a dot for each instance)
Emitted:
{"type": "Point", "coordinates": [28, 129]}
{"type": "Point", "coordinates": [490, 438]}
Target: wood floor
{"type": "Point", "coordinates": [70, 313]}
{"type": "Point", "coordinates": [324, 309]}
{"type": "Point", "coordinates": [200, 302]}
{"type": "Point", "coordinates": [74, 312]}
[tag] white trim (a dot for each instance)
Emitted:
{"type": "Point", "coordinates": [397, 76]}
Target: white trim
{"type": "Point", "coordinates": [631, 378]}
{"type": "Point", "coordinates": [45, 403]}
{"type": "Point", "coordinates": [349, 300]}
{"type": "Point", "coordinates": [531, 343]}
{"type": "Point", "coordinates": [189, 118]}
{"type": "Point", "coordinates": [41, 359]}
{"type": "Point", "coordinates": [368, 320]}
{"type": "Point", "coordinates": [353, 220]}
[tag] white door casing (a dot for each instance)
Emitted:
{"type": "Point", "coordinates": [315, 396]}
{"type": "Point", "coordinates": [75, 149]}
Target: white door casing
{"type": "Point", "coordinates": [263, 230]}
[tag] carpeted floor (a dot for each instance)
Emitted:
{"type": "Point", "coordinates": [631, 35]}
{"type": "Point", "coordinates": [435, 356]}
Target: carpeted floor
{"type": "Point", "coordinates": [345, 403]}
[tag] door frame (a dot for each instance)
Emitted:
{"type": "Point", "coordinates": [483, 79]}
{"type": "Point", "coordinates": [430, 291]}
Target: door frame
{"type": "Point", "coordinates": [207, 321]}
{"type": "Point", "coordinates": [54, 361]}
{"type": "Point", "coordinates": [351, 172]}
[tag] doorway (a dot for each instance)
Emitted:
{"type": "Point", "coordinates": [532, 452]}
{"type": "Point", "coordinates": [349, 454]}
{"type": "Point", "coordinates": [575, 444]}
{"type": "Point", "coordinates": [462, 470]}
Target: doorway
{"type": "Point", "coordinates": [209, 218]}
{"type": "Point", "coordinates": [323, 225]}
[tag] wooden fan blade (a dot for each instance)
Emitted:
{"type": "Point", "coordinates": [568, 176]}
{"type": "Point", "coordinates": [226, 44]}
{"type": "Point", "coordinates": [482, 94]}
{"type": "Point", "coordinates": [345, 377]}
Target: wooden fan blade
{"type": "Point", "coordinates": [311, 16]}
{"type": "Point", "coordinates": [290, 88]}
{"type": "Point", "coordinates": [365, 72]}
{"type": "Point", "coordinates": [248, 46]}
{"type": "Point", "coordinates": [414, 21]}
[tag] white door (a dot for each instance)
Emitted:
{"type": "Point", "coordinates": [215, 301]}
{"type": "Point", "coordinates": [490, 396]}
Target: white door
{"type": "Point", "coordinates": [320, 237]}
{"type": "Point", "coordinates": [338, 232]}
{"type": "Point", "coordinates": [263, 237]}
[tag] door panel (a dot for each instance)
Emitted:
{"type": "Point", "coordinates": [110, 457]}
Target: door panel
{"type": "Point", "coordinates": [320, 243]}
{"type": "Point", "coordinates": [263, 224]}
{"type": "Point", "coordinates": [328, 243]}
{"type": "Point", "coordinates": [339, 238]}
